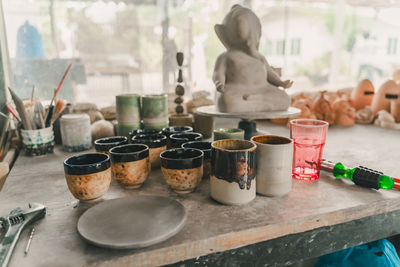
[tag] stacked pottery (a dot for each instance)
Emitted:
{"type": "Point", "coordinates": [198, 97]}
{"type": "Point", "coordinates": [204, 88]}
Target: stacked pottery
{"type": "Point", "coordinates": [154, 111]}
{"type": "Point", "coordinates": [157, 143]}
{"type": "Point", "coordinates": [128, 113]}
{"type": "Point", "coordinates": [76, 133]}
{"type": "Point", "coordinates": [233, 171]}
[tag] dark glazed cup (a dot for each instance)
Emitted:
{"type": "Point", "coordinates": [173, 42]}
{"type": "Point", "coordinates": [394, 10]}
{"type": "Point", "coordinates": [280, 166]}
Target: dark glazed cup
{"type": "Point", "coordinates": [233, 169]}
{"type": "Point", "coordinates": [88, 175]}
{"type": "Point", "coordinates": [143, 131]}
{"type": "Point", "coordinates": [178, 139]}
{"type": "Point", "coordinates": [206, 148]}
{"type": "Point", "coordinates": [130, 164]}
{"type": "Point", "coordinates": [157, 143]}
{"type": "Point", "coordinates": [182, 168]}
{"type": "Point", "coordinates": [176, 129]}
{"type": "Point", "coordinates": [103, 145]}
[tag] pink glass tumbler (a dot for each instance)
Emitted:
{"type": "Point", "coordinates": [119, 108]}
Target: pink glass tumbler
{"type": "Point", "coordinates": [308, 139]}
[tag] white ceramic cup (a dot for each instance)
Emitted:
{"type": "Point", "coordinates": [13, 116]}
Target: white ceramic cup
{"type": "Point", "coordinates": [274, 164]}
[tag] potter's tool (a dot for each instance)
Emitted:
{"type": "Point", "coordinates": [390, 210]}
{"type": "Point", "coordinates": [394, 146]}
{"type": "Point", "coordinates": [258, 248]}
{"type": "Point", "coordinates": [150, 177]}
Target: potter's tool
{"type": "Point", "coordinates": [14, 224]}
{"type": "Point", "coordinates": [19, 105]}
{"type": "Point", "coordinates": [38, 115]}
{"type": "Point", "coordinates": [12, 111]}
{"type": "Point", "coordinates": [56, 92]}
{"type": "Point", "coordinates": [28, 245]}
{"type": "Point", "coordinates": [361, 176]}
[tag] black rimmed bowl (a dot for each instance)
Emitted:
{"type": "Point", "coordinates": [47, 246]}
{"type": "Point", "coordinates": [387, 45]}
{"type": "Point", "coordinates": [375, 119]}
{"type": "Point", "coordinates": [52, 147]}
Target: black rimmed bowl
{"type": "Point", "coordinates": [178, 139]}
{"type": "Point", "coordinates": [157, 143]}
{"type": "Point", "coordinates": [182, 168]}
{"type": "Point", "coordinates": [103, 145]}
{"type": "Point", "coordinates": [88, 175]}
{"type": "Point", "coordinates": [143, 131]}
{"type": "Point", "coordinates": [130, 164]}
{"type": "Point", "coordinates": [206, 148]}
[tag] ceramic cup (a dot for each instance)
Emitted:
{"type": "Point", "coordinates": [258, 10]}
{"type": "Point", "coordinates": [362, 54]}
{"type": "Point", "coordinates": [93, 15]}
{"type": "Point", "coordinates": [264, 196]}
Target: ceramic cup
{"type": "Point", "coordinates": [206, 148]}
{"type": "Point", "coordinates": [76, 132]}
{"type": "Point", "coordinates": [228, 133]}
{"type": "Point", "coordinates": [274, 164]}
{"type": "Point", "coordinates": [130, 164]}
{"type": "Point", "coordinates": [128, 113]}
{"type": "Point", "coordinates": [154, 111]}
{"type": "Point", "coordinates": [233, 171]}
{"type": "Point", "coordinates": [157, 143]}
{"type": "Point", "coordinates": [182, 168]}
{"type": "Point", "coordinates": [103, 145]}
{"type": "Point", "coordinates": [178, 139]}
{"type": "Point", "coordinates": [88, 175]}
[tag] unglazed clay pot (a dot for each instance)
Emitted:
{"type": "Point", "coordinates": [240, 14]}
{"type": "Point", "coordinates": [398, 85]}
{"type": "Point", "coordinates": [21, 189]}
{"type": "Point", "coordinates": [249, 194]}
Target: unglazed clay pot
{"type": "Point", "coordinates": [103, 145]}
{"type": "Point", "coordinates": [362, 95]}
{"type": "Point", "coordinates": [130, 164]}
{"type": "Point", "coordinates": [388, 92]}
{"type": "Point", "coordinates": [345, 114]}
{"type": "Point", "coordinates": [88, 175]}
{"type": "Point", "coordinates": [157, 143]}
{"type": "Point", "coordinates": [323, 109]}
{"type": "Point", "coordinates": [233, 171]}
{"type": "Point", "coordinates": [206, 148]}
{"type": "Point", "coordinates": [182, 168]}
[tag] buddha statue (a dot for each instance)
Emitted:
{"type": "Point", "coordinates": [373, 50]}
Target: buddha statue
{"type": "Point", "coordinates": [244, 80]}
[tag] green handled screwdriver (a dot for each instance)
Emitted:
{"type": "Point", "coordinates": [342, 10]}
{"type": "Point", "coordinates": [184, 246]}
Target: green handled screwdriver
{"type": "Point", "coordinates": [361, 176]}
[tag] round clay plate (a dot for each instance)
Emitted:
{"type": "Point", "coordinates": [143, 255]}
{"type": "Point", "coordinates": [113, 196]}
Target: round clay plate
{"type": "Point", "coordinates": [132, 222]}
{"type": "Point", "coordinates": [213, 111]}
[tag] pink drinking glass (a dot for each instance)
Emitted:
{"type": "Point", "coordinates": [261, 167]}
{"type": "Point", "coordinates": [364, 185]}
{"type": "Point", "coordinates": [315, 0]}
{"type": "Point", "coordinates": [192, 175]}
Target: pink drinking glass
{"type": "Point", "coordinates": [308, 140]}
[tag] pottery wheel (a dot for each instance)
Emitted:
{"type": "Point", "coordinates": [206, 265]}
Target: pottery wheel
{"type": "Point", "coordinates": [132, 222]}
{"type": "Point", "coordinates": [248, 123]}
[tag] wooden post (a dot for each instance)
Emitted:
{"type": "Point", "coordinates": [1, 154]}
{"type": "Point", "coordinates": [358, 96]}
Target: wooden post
{"type": "Point", "coordinates": [165, 26]}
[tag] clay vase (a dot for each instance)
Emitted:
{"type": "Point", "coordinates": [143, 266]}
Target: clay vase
{"type": "Point", "coordinates": [323, 109]}
{"type": "Point", "coordinates": [345, 114]}
{"type": "Point", "coordinates": [362, 95]}
{"type": "Point", "coordinates": [388, 92]}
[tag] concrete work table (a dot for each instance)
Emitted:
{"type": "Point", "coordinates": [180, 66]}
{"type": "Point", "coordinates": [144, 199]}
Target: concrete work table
{"type": "Point", "coordinates": [315, 218]}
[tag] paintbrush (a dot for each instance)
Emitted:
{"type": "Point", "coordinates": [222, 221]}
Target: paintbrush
{"type": "Point", "coordinates": [50, 114]}
{"type": "Point", "coordinates": [38, 115]}
{"type": "Point", "coordinates": [59, 108]}
{"type": "Point", "coordinates": [57, 90]}
{"type": "Point", "coordinates": [12, 111]}
{"type": "Point", "coordinates": [19, 105]}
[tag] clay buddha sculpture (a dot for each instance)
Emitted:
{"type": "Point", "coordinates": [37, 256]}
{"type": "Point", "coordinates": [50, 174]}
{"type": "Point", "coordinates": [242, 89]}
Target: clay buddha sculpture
{"type": "Point", "coordinates": [242, 76]}
{"type": "Point", "coordinates": [362, 95]}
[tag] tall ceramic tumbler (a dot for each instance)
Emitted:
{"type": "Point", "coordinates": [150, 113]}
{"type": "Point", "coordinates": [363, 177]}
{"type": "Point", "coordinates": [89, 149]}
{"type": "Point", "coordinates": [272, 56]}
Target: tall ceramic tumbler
{"type": "Point", "coordinates": [128, 113]}
{"type": "Point", "coordinates": [155, 111]}
{"type": "Point", "coordinates": [309, 140]}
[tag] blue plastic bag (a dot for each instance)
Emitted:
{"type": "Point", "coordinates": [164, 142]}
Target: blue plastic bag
{"type": "Point", "coordinates": [378, 253]}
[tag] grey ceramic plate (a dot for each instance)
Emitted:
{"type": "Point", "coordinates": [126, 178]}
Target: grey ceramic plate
{"type": "Point", "coordinates": [132, 222]}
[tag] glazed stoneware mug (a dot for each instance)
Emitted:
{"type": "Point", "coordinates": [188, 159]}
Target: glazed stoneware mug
{"type": "Point", "coordinates": [182, 168]}
{"type": "Point", "coordinates": [168, 131]}
{"type": "Point", "coordinates": [178, 139]}
{"type": "Point", "coordinates": [157, 143]}
{"type": "Point", "coordinates": [130, 164]}
{"type": "Point", "coordinates": [88, 175]}
{"type": "Point", "coordinates": [233, 171]}
{"type": "Point", "coordinates": [103, 145]}
{"type": "Point", "coordinates": [206, 148]}
{"type": "Point", "coordinates": [274, 164]}
{"type": "Point", "coordinates": [228, 133]}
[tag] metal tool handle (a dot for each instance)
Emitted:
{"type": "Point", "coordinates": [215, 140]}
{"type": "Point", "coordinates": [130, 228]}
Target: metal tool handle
{"type": "Point", "coordinates": [8, 243]}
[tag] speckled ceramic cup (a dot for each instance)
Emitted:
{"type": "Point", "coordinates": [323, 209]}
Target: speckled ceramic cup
{"type": "Point", "coordinates": [182, 168]}
{"type": "Point", "coordinates": [228, 133]}
{"type": "Point", "coordinates": [88, 175]}
{"type": "Point", "coordinates": [168, 131]}
{"type": "Point", "coordinates": [206, 148]}
{"type": "Point", "coordinates": [130, 164]}
{"type": "Point", "coordinates": [233, 171]}
{"type": "Point", "coordinates": [103, 145]}
{"type": "Point", "coordinates": [157, 143]}
{"type": "Point", "coordinates": [178, 139]}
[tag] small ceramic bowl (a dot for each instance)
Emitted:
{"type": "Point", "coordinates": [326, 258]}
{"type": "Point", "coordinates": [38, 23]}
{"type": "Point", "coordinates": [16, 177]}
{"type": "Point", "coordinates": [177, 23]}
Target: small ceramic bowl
{"type": "Point", "coordinates": [176, 129]}
{"type": "Point", "coordinates": [157, 143]}
{"type": "Point", "coordinates": [182, 168]}
{"type": "Point", "coordinates": [103, 145]}
{"type": "Point", "coordinates": [130, 164]}
{"type": "Point", "coordinates": [178, 139]}
{"type": "Point", "coordinates": [88, 175]}
{"type": "Point", "coordinates": [206, 148]}
{"type": "Point", "coordinates": [228, 133]}
{"type": "Point", "coordinates": [143, 131]}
